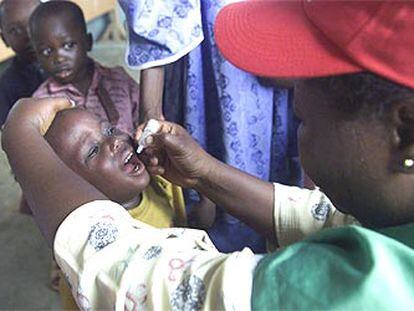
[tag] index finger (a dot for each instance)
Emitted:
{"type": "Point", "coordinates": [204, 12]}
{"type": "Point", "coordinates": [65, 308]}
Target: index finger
{"type": "Point", "coordinates": [165, 127]}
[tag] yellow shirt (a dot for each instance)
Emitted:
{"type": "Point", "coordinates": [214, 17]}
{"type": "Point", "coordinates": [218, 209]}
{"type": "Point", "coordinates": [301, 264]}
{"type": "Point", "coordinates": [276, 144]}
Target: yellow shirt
{"type": "Point", "coordinates": [162, 205]}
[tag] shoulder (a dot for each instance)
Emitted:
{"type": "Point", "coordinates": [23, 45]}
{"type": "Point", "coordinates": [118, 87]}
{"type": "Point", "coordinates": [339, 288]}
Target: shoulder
{"type": "Point", "coordinates": [43, 89]}
{"type": "Point", "coordinates": [10, 84]}
{"type": "Point", "coordinates": [334, 268]}
{"type": "Point", "coordinates": [167, 189]}
{"type": "Point", "coordinates": [114, 74]}
{"type": "Point", "coordinates": [109, 71]}
{"type": "Point", "coordinates": [161, 184]}
{"type": "Point", "coordinates": [9, 75]}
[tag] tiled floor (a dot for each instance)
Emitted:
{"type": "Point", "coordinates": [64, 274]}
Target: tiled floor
{"type": "Point", "coordinates": [24, 256]}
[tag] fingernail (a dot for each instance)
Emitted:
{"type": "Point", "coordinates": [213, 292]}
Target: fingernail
{"type": "Point", "coordinates": [72, 102]}
{"type": "Point", "coordinates": [149, 140]}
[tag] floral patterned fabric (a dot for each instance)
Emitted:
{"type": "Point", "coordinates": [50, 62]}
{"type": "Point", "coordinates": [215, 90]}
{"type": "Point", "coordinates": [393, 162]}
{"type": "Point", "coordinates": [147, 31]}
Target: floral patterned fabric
{"type": "Point", "coordinates": [228, 111]}
{"type": "Point", "coordinates": [161, 32]}
{"type": "Point", "coordinates": [114, 262]}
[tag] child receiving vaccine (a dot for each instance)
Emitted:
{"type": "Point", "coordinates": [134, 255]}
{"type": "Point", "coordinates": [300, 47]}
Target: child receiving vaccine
{"type": "Point", "coordinates": [107, 158]}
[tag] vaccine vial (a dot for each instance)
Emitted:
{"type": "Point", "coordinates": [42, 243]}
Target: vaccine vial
{"type": "Point", "coordinates": [152, 127]}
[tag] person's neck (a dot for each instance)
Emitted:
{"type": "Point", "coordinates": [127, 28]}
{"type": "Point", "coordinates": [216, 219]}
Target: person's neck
{"type": "Point", "coordinates": [85, 77]}
{"type": "Point", "coordinates": [134, 202]}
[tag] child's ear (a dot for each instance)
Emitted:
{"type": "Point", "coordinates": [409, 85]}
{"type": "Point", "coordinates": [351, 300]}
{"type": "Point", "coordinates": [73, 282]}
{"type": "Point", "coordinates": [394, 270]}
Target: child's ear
{"type": "Point", "coordinates": [403, 135]}
{"type": "Point", "coordinates": [4, 39]}
{"type": "Point", "coordinates": [89, 42]}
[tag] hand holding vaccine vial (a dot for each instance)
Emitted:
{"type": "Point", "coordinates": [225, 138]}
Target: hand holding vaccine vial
{"type": "Point", "coordinates": [152, 127]}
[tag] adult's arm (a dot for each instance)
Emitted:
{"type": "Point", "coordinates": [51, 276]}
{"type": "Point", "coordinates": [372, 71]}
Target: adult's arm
{"type": "Point", "coordinates": [242, 195]}
{"type": "Point", "coordinates": [151, 93]}
{"type": "Point", "coordinates": [180, 159]}
{"type": "Point", "coordinates": [51, 188]}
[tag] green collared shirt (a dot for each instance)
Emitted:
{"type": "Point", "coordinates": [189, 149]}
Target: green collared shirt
{"type": "Point", "coordinates": [349, 268]}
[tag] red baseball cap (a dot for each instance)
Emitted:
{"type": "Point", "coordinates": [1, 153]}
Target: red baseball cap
{"type": "Point", "coordinates": [292, 39]}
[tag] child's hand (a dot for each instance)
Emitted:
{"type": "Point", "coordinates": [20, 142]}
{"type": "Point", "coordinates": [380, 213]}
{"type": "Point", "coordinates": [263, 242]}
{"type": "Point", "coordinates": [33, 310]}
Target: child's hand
{"type": "Point", "coordinates": [37, 113]}
{"type": "Point", "coordinates": [173, 153]}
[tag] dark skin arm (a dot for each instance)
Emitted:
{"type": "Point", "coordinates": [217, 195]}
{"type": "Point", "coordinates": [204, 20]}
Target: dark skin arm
{"type": "Point", "coordinates": [51, 188]}
{"type": "Point", "coordinates": [242, 195]}
{"type": "Point", "coordinates": [175, 155]}
{"type": "Point", "coordinates": [151, 92]}
{"type": "Point", "coordinates": [203, 213]}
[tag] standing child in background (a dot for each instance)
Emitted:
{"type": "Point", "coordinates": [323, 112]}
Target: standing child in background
{"type": "Point", "coordinates": [59, 35]}
{"type": "Point", "coordinates": [23, 75]}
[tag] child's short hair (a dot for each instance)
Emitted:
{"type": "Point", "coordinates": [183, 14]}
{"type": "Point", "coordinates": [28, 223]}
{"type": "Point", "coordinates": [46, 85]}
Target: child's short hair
{"type": "Point", "coordinates": [58, 8]}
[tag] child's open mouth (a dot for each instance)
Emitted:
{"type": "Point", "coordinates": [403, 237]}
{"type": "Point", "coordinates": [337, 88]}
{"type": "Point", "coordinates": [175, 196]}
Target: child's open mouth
{"type": "Point", "coordinates": [133, 165]}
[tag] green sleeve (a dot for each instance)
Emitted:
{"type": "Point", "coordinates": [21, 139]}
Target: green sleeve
{"type": "Point", "coordinates": [349, 268]}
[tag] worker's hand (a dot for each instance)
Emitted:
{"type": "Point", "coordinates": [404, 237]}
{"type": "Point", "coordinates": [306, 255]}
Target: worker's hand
{"type": "Point", "coordinates": [37, 113]}
{"type": "Point", "coordinates": [173, 153]}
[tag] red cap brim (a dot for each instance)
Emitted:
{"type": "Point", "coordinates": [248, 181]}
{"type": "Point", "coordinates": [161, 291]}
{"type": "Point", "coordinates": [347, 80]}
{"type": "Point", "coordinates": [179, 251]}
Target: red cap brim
{"type": "Point", "coordinates": [276, 39]}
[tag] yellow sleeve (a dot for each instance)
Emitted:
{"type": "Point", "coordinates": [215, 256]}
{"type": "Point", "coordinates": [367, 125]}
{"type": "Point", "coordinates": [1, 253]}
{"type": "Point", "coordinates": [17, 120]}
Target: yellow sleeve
{"type": "Point", "coordinates": [175, 197]}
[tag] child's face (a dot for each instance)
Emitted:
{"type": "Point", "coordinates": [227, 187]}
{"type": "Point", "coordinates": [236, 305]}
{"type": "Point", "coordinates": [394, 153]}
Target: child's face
{"type": "Point", "coordinates": [62, 48]}
{"type": "Point", "coordinates": [14, 30]}
{"type": "Point", "coordinates": [101, 154]}
{"type": "Point", "coordinates": [350, 159]}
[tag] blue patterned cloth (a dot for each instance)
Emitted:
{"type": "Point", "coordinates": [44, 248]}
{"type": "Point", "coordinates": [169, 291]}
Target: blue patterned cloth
{"type": "Point", "coordinates": [234, 117]}
{"type": "Point", "coordinates": [161, 32]}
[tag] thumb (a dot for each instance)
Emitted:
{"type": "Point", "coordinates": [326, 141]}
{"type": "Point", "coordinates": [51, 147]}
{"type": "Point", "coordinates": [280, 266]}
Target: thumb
{"type": "Point", "coordinates": [61, 103]}
{"type": "Point", "coordinates": [56, 103]}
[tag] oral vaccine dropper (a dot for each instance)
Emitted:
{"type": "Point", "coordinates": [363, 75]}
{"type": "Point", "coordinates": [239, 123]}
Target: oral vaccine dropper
{"type": "Point", "coordinates": [151, 128]}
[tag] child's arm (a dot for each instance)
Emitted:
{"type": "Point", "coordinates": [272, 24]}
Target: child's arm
{"type": "Point", "coordinates": [151, 93]}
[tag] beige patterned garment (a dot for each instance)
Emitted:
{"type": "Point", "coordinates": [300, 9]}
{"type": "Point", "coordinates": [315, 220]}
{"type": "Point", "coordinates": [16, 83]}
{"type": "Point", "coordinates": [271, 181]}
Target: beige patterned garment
{"type": "Point", "coordinates": [112, 261]}
{"type": "Point", "coordinates": [299, 213]}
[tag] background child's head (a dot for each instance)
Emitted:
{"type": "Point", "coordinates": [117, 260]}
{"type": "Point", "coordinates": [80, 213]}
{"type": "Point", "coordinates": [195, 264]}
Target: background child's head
{"type": "Point", "coordinates": [14, 21]}
{"type": "Point", "coordinates": [356, 132]}
{"type": "Point", "coordinates": [59, 35]}
{"type": "Point", "coordinates": [101, 154]}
